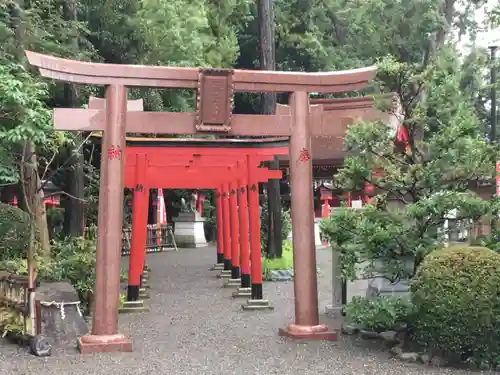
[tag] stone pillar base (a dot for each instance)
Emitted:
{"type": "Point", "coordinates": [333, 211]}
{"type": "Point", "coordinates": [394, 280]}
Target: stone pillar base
{"type": "Point", "coordinates": [133, 306]}
{"type": "Point", "coordinates": [145, 283]}
{"type": "Point", "coordinates": [257, 304]}
{"type": "Point", "coordinates": [104, 344]}
{"type": "Point", "coordinates": [189, 230]}
{"type": "Point", "coordinates": [217, 267]}
{"type": "Point", "coordinates": [298, 332]}
{"type": "Point", "coordinates": [243, 292]}
{"type": "Point", "coordinates": [224, 274]}
{"type": "Point", "coordinates": [143, 293]}
{"type": "Point", "coordinates": [232, 283]}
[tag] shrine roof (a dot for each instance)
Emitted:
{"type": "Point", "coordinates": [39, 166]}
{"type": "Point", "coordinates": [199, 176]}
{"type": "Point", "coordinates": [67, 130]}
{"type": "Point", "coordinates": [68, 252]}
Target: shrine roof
{"type": "Point", "coordinates": [330, 150]}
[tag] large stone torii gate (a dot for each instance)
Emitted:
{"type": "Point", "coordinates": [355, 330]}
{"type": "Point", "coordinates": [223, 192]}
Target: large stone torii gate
{"type": "Point", "coordinates": [215, 88]}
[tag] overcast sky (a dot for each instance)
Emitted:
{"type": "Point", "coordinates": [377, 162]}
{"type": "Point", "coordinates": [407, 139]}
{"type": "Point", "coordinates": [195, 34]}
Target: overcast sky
{"type": "Point", "coordinates": [484, 39]}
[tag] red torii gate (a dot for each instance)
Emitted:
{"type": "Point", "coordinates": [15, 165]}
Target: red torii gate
{"type": "Point", "coordinates": [215, 88]}
{"type": "Point", "coordinates": [152, 166]}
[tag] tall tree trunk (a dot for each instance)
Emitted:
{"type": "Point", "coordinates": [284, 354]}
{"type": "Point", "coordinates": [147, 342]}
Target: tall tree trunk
{"type": "Point", "coordinates": [33, 195]}
{"type": "Point", "coordinates": [268, 106]}
{"type": "Point", "coordinates": [32, 200]}
{"type": "Point", "coordinates": [75, 179]}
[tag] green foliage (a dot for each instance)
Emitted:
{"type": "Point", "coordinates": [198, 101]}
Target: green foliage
{"type": "Point", "coordinates": [380, 313]}
{"type": "Point", "coordinates": [457, 310]}
{"type": "Point", "coordinates": [416, 187]}
{"type": "Point", "coordinates": [14, 232]}
{"type": "Point", "coordinates": [283, 263]}
{"type": "Point", "coordinates": [11, 322]}
{"type": "Point", "coordinates": [286, 225]}
{"type": "Point", "coordinates": [72, 259]}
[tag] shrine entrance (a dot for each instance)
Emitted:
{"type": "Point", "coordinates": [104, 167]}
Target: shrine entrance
{"type": "Point", "coordinates": [215, 88]}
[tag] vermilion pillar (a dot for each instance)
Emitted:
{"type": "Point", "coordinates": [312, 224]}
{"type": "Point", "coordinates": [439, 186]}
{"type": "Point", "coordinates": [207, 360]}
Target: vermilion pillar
{"type": "Point", "coordinates": [255, 250]}
{"type": "Point", "coordinates": [219, 226]}
{"type": "Point", "coordinates": [105, 335]}
{"type": "Point", "coordinates": [226, 232]}
{"type": "Point", "coordinates": [235, 243]}
{"type": "Point", "coordinates": [139, 229]}
{"type": "Point", "coordinates": [244, 235]}
{"type": "Point", "coordinates": [304, 253]}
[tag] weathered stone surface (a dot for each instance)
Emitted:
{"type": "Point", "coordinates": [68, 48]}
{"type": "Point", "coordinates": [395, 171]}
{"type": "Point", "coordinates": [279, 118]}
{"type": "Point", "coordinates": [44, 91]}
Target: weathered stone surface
{"type": "Point", "coordinates": [369, 335]}
{"type": "Point", "coordinates": [408, 357]}
{"type": "Point", "coordinates": [396, 350]}
{"type": "Point", "coordinates": [61, 320]}
{"type": "Point", "coordinates": [350, 328]}
{"type": "Point", "coordinates": [425, 358]}
{"type": "Point", "coordinates": [280, 275]}
{"type": "Point", "coordinates": [383, 287]}
{"type": "Point", "coordinates": [389, 336]}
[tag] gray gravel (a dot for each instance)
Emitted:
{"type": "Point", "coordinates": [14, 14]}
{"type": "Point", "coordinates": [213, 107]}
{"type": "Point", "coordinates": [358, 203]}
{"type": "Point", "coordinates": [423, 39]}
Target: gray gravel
{"type": "Point", "coordinates": [194, 327]}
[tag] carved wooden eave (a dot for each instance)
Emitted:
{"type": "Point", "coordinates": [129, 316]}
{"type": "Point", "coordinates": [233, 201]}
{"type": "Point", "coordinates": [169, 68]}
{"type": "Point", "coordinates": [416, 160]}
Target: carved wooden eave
{"type": "Point", "coordinates": [173, 77]}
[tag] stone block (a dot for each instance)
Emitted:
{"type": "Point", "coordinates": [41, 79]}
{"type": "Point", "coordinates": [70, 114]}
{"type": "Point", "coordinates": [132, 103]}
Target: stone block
{"type": "Point", "coordinates": [232, 283]}
{"type": "Point", "coordinates": [257, 304]}
{"type": "Point", "coordinates": [242, 293]}
{"type": "Point", "coordinates": [61, 318]}
{"type": "Point", "coordinates": [133, 306]}
{"type": "Point", "coordinates": [189, 230]}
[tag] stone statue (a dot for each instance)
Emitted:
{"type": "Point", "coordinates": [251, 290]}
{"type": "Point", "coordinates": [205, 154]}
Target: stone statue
{"type": "Point", "coordinates": [184, 206]}
{"type": "Point", "coordinates": [194, 200]}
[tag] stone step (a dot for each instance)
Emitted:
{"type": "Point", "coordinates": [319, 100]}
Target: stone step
{"type": "Point", "coordinates": [257, 304]}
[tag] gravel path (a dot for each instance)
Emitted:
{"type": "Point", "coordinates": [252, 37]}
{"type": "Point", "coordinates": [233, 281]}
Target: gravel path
{"type": "Point", "coordinates": [194, 327]}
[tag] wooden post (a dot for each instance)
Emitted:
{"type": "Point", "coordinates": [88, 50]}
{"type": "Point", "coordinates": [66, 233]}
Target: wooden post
{"type": "Point", "coordinates": [256, 301]}
{"type": "Point", "coordinates": [304, 252]}
{"type": "Point", "coordinates": [235, 243]}
{"type": "Point", "coordinates": [219, 226]}
{"type": "Point", "coordinates": [244, 234]}
{"type": "Point", "coordinates": [139, 229]}
{"type": "Point", "coordinates": [226, 227]}
{"type": "Point", "coordinates": [105, 335]}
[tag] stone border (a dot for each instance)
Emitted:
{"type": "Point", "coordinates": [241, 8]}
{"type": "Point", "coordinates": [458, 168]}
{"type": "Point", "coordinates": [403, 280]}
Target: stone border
{"type": "Point", "coordinates": [395, 340]}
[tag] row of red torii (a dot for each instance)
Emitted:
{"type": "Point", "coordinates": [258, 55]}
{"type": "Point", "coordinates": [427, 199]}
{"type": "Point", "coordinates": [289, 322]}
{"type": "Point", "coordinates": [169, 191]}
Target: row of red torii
{"type": "Point", "coordinates": [215, 89]}
{"type": "Point", "coordinates": [234, 173]}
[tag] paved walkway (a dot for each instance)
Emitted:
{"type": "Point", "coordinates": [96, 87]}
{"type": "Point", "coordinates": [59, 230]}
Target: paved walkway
{"type": "Point", "coordinates": [194, 327]}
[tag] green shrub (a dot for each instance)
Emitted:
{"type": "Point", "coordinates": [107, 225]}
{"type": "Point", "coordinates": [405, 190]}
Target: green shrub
{"type": "Point", "coordinates": [378, 314]}
{"type": "Point", "coordinates": [71, 259]}
{"type": "Point", "coordinates": [457, 305]}
{"type": "Point", "coordinates": [14, 232]}
{"type": "Point", "coordinates": [286, 226]}
{"type": "Point", "coordinates": [283, 263]}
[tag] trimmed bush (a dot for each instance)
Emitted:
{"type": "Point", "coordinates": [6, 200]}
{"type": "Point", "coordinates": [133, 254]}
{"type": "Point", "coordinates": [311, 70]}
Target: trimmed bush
{"type": "Point", "coordinates": [455, 294]}
{"type": "Point", "coordinates": [378, 314]}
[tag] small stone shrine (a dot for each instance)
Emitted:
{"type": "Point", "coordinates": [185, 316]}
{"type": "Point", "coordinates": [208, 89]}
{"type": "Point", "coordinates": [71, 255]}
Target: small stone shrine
{"type": "Point", "coordinates": [61, 318]}
{"type": "Point", "coordinates": [189, 230]}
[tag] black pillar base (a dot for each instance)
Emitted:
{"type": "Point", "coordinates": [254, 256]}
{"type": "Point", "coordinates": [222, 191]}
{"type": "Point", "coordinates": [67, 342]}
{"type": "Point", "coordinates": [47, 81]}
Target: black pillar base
{"type": "Point", "coordinates": [257, 291]}
{"type": "Point", "coordinates": [246, 282]}
{"type": "Point", "coordinates": [220, 258]}
{"type": "Point", "coordinates": [133, 292]}
{"type": "Point", "coordinates": [227, 264]}
{"type": "Point", "coordinates": [235, 272]}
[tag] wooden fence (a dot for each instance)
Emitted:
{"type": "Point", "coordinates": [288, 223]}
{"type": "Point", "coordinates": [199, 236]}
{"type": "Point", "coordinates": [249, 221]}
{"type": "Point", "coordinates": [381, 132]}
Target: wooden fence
{"type": "Point", "coordinates": [160, 238]}
{"type": "Point", "coordinates": [14, 299]}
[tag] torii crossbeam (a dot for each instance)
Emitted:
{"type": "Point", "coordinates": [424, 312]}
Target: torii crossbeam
{"type": "Point", "coordinates": [215, 88]}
